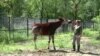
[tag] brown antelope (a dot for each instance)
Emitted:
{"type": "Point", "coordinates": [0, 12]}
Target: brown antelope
{"type": "Point", "coordinates": [46, 29]}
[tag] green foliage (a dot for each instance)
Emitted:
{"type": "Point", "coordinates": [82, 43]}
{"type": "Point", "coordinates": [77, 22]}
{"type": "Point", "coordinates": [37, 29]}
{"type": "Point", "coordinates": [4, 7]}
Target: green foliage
{"type": "Point", "coordinates": [94, 36]}
{"type": "Point", "coordinates": [84, 9]}
{"type": "Point", "coordinates": [7, 37]}
{"type": "Point", "coordinates": [4, 36]}
{"type": "Point", "coordinates": [97, 22]}
{"type": "Point", "coordinates": [90, 33]}
{"type": "Point", "coordinates": [96, 19]}
{"type": "Point", "coordinates": [97, 25]}
{"type": "Point", "coordinates": [63, 40]}
{"type": "Point", "coordinates": [18, 36]}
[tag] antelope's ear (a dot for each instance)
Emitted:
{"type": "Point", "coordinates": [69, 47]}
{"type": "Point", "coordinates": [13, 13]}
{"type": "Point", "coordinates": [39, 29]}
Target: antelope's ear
{"type": "Point", "coordinates": [61, 19]}
{"type": "Point", "coordinates": [78, 21]}
{"type": "Point", "coordinates": [69, 21]}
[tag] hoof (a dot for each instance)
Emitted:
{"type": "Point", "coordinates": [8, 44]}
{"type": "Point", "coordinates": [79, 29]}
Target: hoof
{"type": "Point", "coordinates": [48, 48]}
{"type": "Point", "coordinates": [35, 47]}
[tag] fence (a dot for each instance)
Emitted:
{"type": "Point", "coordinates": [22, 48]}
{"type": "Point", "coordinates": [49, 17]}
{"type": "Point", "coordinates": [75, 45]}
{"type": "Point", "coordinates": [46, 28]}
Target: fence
{"type": "Point", "coordinates": [23, 25]}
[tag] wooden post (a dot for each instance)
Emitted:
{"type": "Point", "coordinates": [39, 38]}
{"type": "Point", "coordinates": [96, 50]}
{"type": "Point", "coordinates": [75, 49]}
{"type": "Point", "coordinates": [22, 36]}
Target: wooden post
{"type": "Point", "coordinates": [9, 31]}
{"type": "Point", "coordinates": [13, 28]}
{"type": "Point", "coordinates": [27, 28]}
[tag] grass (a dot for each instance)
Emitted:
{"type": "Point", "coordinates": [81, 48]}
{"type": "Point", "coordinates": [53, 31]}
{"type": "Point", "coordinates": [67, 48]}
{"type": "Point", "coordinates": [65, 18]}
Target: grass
{"type": "Point", "coordinates": [92, 35]}
{"type": "Point", "coordinates": [95, 42]}
{"type": "Point", "coordinates": [14, 48]}
{"type": "Point", "coordinates": [21, 42]}
{"type": "Point", "coordinates": [62, 40]}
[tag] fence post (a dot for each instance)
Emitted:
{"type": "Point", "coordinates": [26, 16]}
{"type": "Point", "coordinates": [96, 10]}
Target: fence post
{"type": "Point", "coordinates": [27, 28]}
{"type": "Point", "coordinates": [13, 28]}
{"type": "Point", "coordinates": [9, 31]}
{"type": "Point", "coordinates": [93, 25]}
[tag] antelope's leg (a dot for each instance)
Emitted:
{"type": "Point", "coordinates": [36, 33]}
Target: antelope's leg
{"type": "Point", "coordinates": [35, 38]}
{"type": "Point", "coordinates": [53, 42]}
{"type": "Point", "coordinates": [49, 41]}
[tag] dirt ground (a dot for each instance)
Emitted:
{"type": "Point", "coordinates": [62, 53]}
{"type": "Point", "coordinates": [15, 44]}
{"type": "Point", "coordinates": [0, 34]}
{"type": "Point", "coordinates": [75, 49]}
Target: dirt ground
{"type": "Point", "coordinates": [87, 50]}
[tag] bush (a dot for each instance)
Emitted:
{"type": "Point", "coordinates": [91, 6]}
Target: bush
{"type": "Point", "coordinates": [97, 23]}
{"type": "Point", "coordinates": [94, 36]}
{"type": "Point", "coordinates": [90, 33]}
{"type": "Point", "coordinates": [4, 36]}
{"type": "Point", "coordinates": [19, 36]}
{"type": "Point", "coordinates": [98, 37]}
{"type": "Point", "coordinates": [14, 36]}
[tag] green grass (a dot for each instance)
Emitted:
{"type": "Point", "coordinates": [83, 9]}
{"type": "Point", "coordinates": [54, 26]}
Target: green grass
{"type": "Point", "coordinates": [15, 48]}
{"type": "Point", "coordinates": [21, 42]}
{"type": "Point", "coordinates": [95, 42]}
{"type": "Point", "coordinates": [92, 35]}
{"type": "Point", "coordinates": [62, 40]}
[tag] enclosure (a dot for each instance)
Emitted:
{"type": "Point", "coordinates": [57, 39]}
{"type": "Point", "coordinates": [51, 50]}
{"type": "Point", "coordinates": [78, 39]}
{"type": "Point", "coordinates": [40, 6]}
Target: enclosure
{"type": "Point", "coordinates": [18, 16]}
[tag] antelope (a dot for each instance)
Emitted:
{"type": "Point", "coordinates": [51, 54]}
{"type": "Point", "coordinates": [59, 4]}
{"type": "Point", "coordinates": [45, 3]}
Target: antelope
{"type": "Point", "coordinates": [48, 29]}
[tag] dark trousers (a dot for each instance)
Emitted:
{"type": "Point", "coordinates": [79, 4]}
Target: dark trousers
{"type": "Point", "coordinates": [76, 42]}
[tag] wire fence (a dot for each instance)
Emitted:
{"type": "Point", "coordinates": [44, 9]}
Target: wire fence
{"type": "Point", "coordinates": [23, 25]}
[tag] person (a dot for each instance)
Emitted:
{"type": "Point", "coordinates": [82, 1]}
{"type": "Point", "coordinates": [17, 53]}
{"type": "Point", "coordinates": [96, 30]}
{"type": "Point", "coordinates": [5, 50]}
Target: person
{"type": "Point", "coordinates": [77, 35]}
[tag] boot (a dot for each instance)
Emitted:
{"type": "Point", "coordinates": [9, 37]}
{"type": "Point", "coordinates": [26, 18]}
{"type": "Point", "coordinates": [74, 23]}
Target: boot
{"type": "Point", "coordinates": [74, 48]}
{"type": "Point", "coordinates": [78, 48]}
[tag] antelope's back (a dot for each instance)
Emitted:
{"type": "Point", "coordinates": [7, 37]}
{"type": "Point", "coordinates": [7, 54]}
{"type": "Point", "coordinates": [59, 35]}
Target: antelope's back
{"type": "Point", "coordinates": [40, 29]}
